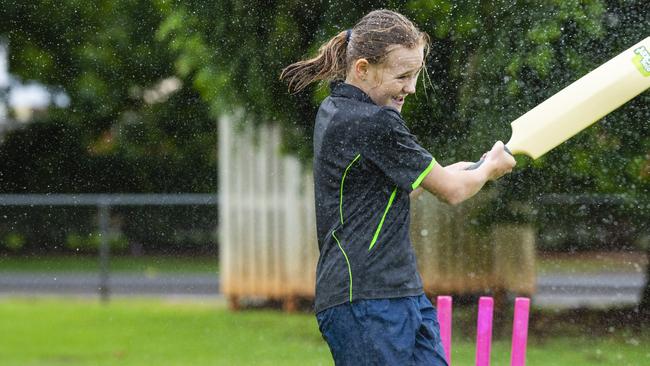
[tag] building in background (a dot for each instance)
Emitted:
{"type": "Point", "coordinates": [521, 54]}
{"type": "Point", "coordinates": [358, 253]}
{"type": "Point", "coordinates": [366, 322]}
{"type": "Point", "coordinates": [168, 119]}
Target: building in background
{"type": "Point", "coordinates": [21, 102]}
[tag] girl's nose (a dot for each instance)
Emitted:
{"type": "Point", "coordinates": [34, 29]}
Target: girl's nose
{"type": "Point", "coordinates": [410, 86]}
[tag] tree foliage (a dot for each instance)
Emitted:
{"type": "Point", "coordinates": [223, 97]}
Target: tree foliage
{"type": "Point", "coordinates": [120, 133]}
{"type": "Point", "coordinates": [491, 62]}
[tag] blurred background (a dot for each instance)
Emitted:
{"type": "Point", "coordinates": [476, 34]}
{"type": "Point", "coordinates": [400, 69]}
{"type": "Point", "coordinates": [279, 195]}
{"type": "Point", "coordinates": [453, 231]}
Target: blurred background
{"type": "Point", "coordinates": [151, 158]}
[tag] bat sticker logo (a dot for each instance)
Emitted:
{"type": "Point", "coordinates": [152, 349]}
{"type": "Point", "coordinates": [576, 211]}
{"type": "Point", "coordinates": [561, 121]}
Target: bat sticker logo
{"type": "Point", "coordinates": [642, 60]}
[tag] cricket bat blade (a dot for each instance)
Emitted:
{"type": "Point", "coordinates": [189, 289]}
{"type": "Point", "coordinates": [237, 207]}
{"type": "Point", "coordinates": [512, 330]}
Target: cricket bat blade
{"type": "Point", "coordinates": [582, 103]}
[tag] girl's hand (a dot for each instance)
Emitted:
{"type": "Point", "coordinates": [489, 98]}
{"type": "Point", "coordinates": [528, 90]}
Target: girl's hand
{"type": "Point", "coordinates": [499, 161]}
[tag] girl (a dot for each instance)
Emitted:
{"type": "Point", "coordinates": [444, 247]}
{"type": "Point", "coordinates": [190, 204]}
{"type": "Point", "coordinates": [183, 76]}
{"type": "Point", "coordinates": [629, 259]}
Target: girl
{"type": "Point", "coordinates": [370, 305]}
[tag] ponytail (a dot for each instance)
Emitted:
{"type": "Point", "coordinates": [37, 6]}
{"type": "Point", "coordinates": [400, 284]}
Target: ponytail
{"type": "Point", "coordinates": [329, 64]}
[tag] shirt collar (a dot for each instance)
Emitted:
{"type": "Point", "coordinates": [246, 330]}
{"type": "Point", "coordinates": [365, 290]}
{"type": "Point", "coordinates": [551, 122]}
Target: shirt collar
{"type": "Point", "coordinates": [342, 89]}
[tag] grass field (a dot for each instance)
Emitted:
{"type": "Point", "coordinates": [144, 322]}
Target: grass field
{"type": "Point", "coordinates": [58, 331]}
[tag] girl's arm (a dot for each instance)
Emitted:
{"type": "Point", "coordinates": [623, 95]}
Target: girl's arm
{"type": "Point", "coordinates": [461, 165]}
{"type": "Point", "coordinates": [453, 184]}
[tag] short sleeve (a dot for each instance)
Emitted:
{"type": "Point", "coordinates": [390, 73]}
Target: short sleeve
{"type": "Point", "coordinates": [397, 153]}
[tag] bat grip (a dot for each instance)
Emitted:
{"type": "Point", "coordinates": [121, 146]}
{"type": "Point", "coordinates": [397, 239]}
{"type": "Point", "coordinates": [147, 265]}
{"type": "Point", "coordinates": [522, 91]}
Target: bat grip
{"type": "Point", "coordinates": [478, 163]}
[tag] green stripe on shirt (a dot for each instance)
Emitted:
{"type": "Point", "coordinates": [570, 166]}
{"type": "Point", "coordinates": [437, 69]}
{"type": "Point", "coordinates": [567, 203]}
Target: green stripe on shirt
{"type": "Point", "coordinates": [346, 261]}
{"type": "Point", "coordinates": [342, 183]}
{"type": "Point", "coordinates": [390, 203]}
{"type": "Point", "coordinates": [424, 174]}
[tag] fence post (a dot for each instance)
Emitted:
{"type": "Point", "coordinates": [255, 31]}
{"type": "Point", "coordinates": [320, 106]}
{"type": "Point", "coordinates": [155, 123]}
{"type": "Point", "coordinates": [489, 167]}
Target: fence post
{"type": "Point", "coordinates": [104, 251]}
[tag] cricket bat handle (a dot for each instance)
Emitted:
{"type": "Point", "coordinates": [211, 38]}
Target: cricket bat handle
{"type": "Point", "coordinates": [478, 163]}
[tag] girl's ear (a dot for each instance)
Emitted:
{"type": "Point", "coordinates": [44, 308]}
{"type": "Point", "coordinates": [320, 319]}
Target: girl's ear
{"type": "Point", "coordinates": [360, 68]}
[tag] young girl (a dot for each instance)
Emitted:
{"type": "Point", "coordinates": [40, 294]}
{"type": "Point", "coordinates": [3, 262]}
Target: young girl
{"type": "Point", "coordinates": [370, 305]}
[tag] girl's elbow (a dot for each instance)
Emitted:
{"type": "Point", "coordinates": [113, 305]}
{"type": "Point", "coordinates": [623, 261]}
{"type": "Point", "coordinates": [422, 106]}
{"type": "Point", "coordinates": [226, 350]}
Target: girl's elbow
{"type": "Point", "coordinates": [453, 197]}
{"type": "Point", "coordinates": [455, 200]}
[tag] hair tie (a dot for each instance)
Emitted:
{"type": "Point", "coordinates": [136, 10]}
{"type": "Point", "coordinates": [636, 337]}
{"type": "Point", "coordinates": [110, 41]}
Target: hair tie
{"type": "Point", "coordinates": [348, 35]}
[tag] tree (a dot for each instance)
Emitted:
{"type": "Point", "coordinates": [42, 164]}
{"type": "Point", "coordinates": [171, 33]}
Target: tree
{"type": "Point", "coordinates": [105, 57]}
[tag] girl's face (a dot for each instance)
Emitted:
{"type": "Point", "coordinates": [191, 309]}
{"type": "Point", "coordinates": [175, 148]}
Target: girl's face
{"type": "Point", "coordinates": [389, 82]}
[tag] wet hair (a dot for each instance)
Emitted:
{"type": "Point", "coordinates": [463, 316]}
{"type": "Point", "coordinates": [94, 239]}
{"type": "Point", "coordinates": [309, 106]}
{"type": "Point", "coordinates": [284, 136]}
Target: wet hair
{"type": "Point", "coordinates": [372, 38]}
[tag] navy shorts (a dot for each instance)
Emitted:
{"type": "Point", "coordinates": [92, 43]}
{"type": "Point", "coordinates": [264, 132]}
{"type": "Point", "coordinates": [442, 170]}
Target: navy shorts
{"type": "Point", "coordinates": [400, 331]}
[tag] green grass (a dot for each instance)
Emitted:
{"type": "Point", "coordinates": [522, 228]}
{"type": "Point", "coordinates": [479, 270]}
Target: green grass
{"type": "Point", "coordinates": [563, 351]}
{"type": "Point", "coordinates": [148, 265]}
{"type": "Point", "coordinates": [58, 331]}
{"type": "Point", "coordinates": [152, 332]}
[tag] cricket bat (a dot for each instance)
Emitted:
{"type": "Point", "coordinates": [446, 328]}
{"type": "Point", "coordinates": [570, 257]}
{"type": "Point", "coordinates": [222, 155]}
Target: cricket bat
{"type": "Point", "coordinates": [582, 103]}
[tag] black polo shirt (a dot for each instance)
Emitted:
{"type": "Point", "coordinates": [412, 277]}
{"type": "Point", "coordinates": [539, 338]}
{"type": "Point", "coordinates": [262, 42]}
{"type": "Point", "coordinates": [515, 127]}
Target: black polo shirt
{"type": "Point", "coordinates": [366, 162]}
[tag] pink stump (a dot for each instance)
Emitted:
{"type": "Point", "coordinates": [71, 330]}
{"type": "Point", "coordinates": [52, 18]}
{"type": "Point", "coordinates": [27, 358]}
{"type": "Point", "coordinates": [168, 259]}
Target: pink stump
{"type": "Point", "coordinates": [444, 319]}
{"type": "Point", "coordinates": [520, 332]}
{"type": "Point", "coordinates": [484, 331]}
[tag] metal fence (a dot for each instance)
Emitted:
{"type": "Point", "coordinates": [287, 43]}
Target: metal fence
{"type": "Point", "coordinates": [103, 203]}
